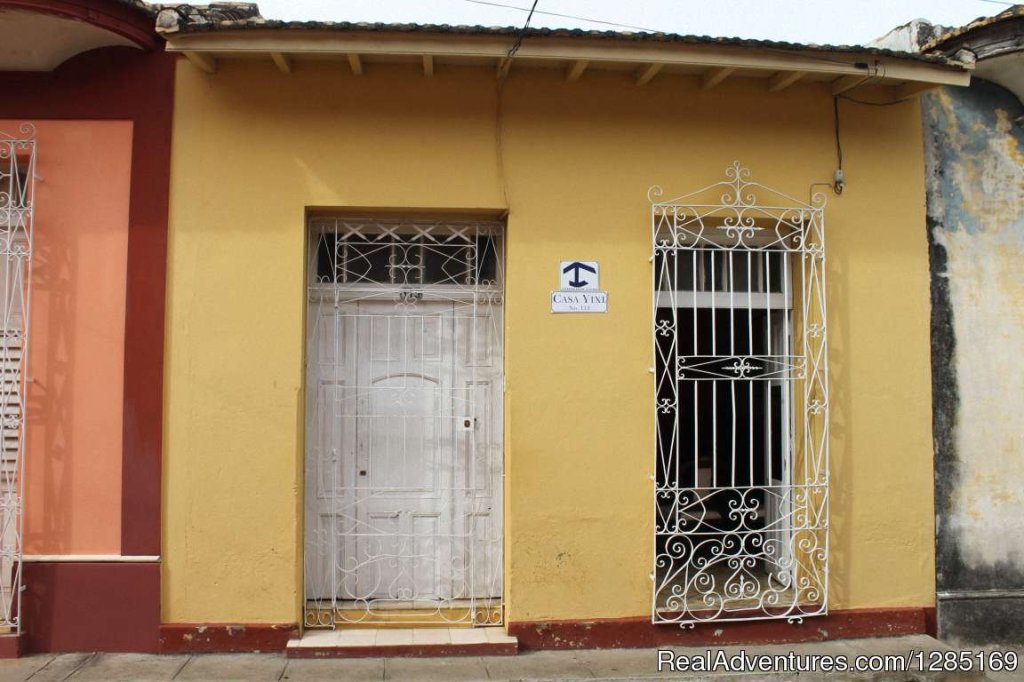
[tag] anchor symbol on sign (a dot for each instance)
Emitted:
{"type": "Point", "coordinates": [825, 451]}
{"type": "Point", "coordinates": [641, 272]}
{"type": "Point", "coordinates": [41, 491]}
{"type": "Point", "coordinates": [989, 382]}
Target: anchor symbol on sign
{"type": "Point", "coordinates": [575, 268]}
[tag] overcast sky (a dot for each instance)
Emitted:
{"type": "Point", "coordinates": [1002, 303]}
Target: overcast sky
{"type": "Point", "coordinates": [817, 21]}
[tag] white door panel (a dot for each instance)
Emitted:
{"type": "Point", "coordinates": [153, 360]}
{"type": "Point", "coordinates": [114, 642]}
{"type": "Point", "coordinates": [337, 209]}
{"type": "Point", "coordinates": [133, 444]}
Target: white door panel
{"type": "Point", "coordinates": [404, 450]}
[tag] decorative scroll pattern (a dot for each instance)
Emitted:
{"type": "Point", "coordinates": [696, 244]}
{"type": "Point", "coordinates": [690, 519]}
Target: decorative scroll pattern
{"type": "Point", "coordinates": [17, 203]}
{"type": "Point", "coordinates": [403, 435]}
{"type": "Point", "coordinates": [764, 367]}
{"type": "Point", "coordinates": [741, 400]}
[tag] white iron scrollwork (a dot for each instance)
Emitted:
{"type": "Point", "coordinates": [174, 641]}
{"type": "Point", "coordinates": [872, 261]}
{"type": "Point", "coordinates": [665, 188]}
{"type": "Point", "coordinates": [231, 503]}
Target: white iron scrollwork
{"type": "Point", "coordinates": [741, 402]}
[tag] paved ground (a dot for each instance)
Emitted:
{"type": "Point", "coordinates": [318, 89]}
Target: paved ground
{"type": "Point", "coordinates": [620, 664]}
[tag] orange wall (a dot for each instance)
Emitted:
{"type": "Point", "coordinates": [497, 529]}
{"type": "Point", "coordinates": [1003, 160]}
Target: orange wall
{"type": "Point", "coordinates": [76, 345]}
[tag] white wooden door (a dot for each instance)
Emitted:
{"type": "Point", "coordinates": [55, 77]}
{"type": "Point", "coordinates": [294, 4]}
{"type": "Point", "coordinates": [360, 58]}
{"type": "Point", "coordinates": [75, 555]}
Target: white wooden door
{"type": "Point", "coordinates": [405, 422]}
{"type": "Point", "coordinates": [404, 467]}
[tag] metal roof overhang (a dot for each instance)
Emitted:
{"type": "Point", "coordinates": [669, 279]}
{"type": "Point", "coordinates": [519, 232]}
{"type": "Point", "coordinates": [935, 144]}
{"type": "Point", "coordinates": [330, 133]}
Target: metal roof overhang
{"type": "Point", "coordinates": [710, 63]}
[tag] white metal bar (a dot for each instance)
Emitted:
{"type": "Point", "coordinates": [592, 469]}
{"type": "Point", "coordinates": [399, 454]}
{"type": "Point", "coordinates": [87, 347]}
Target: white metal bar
{"type": "Point", "coordinates": [707, 299]}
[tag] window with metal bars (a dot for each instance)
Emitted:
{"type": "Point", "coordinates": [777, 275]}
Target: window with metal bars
{"type": "Point", "coordinates": [741, 405]}
{"type": "Point", "coordinates": [405, 258]}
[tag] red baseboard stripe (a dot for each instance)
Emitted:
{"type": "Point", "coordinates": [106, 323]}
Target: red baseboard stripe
{"type": "Point", "coordinates": [421, 651]}
{"type": "Point", "coordinates": [178, 638]}
{"type": "Point", "coordinates": [620, 633]}
{"type": "Point", "coordinates": [614, 633]}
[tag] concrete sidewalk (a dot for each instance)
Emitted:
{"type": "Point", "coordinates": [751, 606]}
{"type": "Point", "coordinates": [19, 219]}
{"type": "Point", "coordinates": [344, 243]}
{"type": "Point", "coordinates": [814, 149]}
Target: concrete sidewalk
{"type": "Point", "coordinates": [617, 664]}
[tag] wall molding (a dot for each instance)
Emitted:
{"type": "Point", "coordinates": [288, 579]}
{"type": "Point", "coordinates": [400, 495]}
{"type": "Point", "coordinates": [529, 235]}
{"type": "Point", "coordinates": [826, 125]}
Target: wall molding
{"type": "Point", "coordinates": [91, 558]}
{"type": "Point", "coordinates": [981, 594]}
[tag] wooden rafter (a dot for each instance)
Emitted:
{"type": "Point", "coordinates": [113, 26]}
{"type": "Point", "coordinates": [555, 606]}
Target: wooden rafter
{"type": "Point", "coordinates": [576, 70]}
{"type": "Point", "coordinates": [203, 61]}
{"type": "Point", "coordinates": [783, 79]}
{"type": "Point", "coordinates": [356, 63]}
{"type": "Point", "coordinates": [716, 76]}
{"type": "Point", "coordinates": [647, 73]}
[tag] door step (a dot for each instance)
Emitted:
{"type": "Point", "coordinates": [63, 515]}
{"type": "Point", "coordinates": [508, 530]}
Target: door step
{"type": "Point", "coordinates": [392, 642]}
{"type": "Point", "coordinates": [398, 614]}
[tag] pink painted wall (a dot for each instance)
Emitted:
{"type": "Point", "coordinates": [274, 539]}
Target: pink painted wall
{"type": "Point", "coordinates": [76, 347]}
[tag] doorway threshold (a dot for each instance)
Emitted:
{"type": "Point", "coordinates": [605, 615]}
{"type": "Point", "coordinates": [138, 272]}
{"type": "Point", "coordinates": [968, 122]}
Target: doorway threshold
{"type": "Point", "coordinates": [403, 642]}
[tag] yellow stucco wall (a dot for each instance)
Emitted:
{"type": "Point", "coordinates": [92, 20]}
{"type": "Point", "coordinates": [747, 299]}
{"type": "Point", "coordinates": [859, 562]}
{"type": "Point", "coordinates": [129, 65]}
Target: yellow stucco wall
{"type": "Point", "coordinates": [253, 148]}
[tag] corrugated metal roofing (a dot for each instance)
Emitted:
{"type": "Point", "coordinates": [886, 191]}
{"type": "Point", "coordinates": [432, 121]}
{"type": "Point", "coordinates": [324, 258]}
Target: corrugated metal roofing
{"type": "Point", "coordinates": [208, 21]}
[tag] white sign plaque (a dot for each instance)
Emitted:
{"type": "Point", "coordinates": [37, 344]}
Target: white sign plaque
{"type": "Point", "coordinates": [579, 301]}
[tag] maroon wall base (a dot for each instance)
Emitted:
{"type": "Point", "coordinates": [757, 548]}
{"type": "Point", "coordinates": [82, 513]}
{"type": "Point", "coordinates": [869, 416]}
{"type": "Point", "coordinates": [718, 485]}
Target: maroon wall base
{"type": "Point", "coordinates": [85, 606]}
{"type": "Point", "coordinates": [12, 646]}
{"type": "Point", "coordinates": [225, 637]}
{"type": "Point", "coordinates": [616, 633]}
{"type": "Point", "coordinates": [622, 633]}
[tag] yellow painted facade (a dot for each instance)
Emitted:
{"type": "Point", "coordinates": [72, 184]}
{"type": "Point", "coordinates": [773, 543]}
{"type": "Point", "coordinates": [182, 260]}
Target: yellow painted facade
{"type": "Point", "coordinates": [255, 148]}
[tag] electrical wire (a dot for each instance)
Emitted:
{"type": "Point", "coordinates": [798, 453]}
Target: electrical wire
{"type": "Point", "coordinates": [489, 3]}
{"type": "Point", "coordinates": [838, 185]}
{"type": "Point", "coordinates": [499, 140]}
{"type": "Point", "coordinates": [563, 16]}
{"type": "Point", "coordinates": [872, 104]}
{"type": "Point", "coordinates": [521, 33]}
{"type": "Point", "coordinates": [839, 142]}
{"type": "Point", "coordinates": [499, 115]}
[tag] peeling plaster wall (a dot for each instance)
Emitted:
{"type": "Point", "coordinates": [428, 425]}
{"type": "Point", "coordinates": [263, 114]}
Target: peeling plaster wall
{"type": "Point", "coordinates": [975, 187]}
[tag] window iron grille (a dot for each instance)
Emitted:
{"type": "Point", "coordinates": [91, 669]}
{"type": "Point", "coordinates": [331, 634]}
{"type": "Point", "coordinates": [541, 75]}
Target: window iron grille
{"type": "Point", "coordinates": [741, 404]}
{"type": "Point", "coordinates": [17, 201]}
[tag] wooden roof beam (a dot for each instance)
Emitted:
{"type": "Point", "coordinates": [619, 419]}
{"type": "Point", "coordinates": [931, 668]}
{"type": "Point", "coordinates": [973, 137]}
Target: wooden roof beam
{"type": "Point", "coordinates": [284, 64]}
{"type": "Point", "coordinates": [783, 79]}
{"type": "Point", "coordinates": [576, 70]}
{"type": "Point", "coordinates": [647, 73]}
{"type": "Point", "coordinates": [202, 61]}
{"type": "Point", "coordinates": [716, 76]}
{"type": "Point", "coordinates": [428, 66]}
{"type": "Point", "coordinates": [356, 63]}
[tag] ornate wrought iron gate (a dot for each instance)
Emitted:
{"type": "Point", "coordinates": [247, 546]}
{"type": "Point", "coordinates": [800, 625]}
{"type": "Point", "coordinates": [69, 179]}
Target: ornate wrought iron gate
{"type": "Point", "coordinates": [741, 403]}
{"type": "Point", "coordinates": [404, 422]}
{"type": "Point", "coordinates": [17, 200]}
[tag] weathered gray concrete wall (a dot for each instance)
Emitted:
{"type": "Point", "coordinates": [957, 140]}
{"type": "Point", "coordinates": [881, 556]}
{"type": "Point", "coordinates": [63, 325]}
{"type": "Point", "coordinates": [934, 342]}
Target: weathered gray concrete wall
{"type": "Point", "coordinates": [975, 173]}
